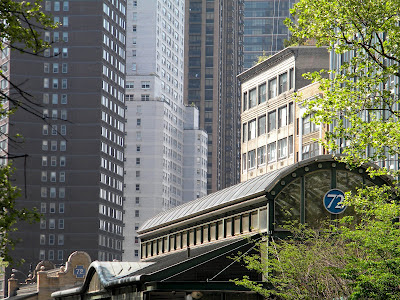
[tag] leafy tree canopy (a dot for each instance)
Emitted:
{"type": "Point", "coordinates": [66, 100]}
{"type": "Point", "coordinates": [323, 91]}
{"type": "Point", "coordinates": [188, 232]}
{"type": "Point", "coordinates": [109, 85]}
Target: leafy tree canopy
{"type": "Point", "coordinates": [360, 97]}
{"type": "Point", "coordinates": [360, 102]}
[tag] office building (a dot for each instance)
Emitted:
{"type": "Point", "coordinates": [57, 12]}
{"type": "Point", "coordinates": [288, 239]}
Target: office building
{"type": "Point", "coordinates": [72, 152]}
{"type": "Point", "coordinates": [264, 31]}
{"type": "Point", "coordinates": [275, 132]}
{"type": "Point", "coordinates": [155, 113]}
{"type": "Point", "coordinates": [213, 58]}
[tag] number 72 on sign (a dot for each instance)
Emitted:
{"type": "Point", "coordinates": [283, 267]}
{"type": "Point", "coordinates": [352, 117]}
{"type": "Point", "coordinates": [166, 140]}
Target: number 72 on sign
{"type": "Point", "coordinates": [333, 201]}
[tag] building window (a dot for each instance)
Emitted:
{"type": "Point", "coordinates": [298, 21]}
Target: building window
{"type": "Point", "coordinates": [136, 253]}
{"type": "Point", "coordinates": [62, 161]}
{"type": "Point", "coordinates": [52, 208]}
{"type": "Point", "coordinates": [46, 83]}
{"type": "Point", "coordinates": [64, 99]}
{"type": "Point", "coordinates": [46, 98]}
{"type": "Point", "coordinates": [283, 83]}
{"type": "Point", "coordinates": [145, 84]}
{"type": "Point", "coordinates": [54, 99]}
{"type": "Point", "coordinates": [45, 145]}
{"type": "Point", "coordinates": [138, 122]}
{"type": "Point", "coordinates": [252, 129]}
{"type": "Point", "coordinates": [291, 78]}
{"type": "Point", "coordinates": [64, 83]}
{"type": "Point", "coordinates": [282, 148]}
{"type": "Point", "coordinates": [65, 68]}
{"type": "Point", "coordinates": [244, 162]}
{"type": "Point", "coordinates": [251, 159]}
{"type": "Point", "coordinates": [63, 146]}
{"type": "Point", "coordinates": [138, 148]}
{"type": "Point", "coordinates": [54, 129]}
{"type": "Point", "coordinates": [261, 125]}
{"type": "Point", "coordinates": [43, 192]}
{"type": "Point", "coordinates": [282, 116]}
{"type": "Point", "coordinates": [309, 126]}
{"type": "Point", "coordinates": [137, 160]}
{"type": "Point", "coordinates": [61, 208]}
{"type": "Point", "coordinates": [42, 239]}
{"type": "Point", "coordinates": [262, 93]}
{"type": "Point", "coordinates": [62, 176]}
{"type": "Point", "coordinates": [66, 6]}
{"type": "Point", "coordinates": [53, 146]}
{"type": "Point", "coordinates": [137, 187]}
{"type": "Point", "coordinates": [252, 98]}
{"type": "Point", "coordinates": [60, 223]}
{"type": "Point", "coordinates": [45, 129]}
{"type": "Point", "coordinates": [134, 28]}
{"type": "Point", "coordinates": [244, 132]}
{"type": "Point", "coordinates": [272, 88]}
{"type": "Point", "coordinates": [65, 21]}
{"type": "Point", "coordinates": [61, 192]}
{"type": "Point", "coordinates": [51, 239]}
{"type": "Point", "coordinates": [52, 223]}
{"type": "Point", "coordinates": [137, 213]}
{"type": "Point", "coordinates": [129, 85]}
{"type": "Point", "coordinates": [271, 121]}
{"type": "Point", "coordinates": [291, 113]}
{"type": "Point", "coordinates": [60, 255]}
{"type": "Point", "coordinates": [145, 97]}
{"type": "Point", "coordinates": [137, 173]}
{"type": "Point", "coordinates": [53, 192]}
{"type": "Point", "coordinates": [136, 226]}
{"type": "Point", "coordinates": [290, 144]}
{"type": "Point", "coordinates": [60, 239]}
{"type": "Point", "coordinates": [310, 150]}
{"type": "Point", "coordinates": [42, 223]}
{"type": "Point", "coordinates": [44, 176]}
{"type": "Point", "coordinates": [53, 161]}
{"type": "Point", "coordinates": [51, 254]}
{"type": "Point", "coordinates": [55, 83]}
{"type": "Point", "coordinates": [63, 130]}
{"type": "Point", "coordinates": [56, 36]}
{"type": "Point", "coordinates": [261, 155]}
{"type": "Point", "coordinates": [244, 101]}
{"type": "Point", "coordinates": [43, 207]}
{"type": "Point", "coordinates": [137, 200]}
{"type": "Point", "coordinates": [46, 67]}
{"type": "Point", "coordinates": [271, 151]}
{"type": "Point", "coordinates": [42, 253]}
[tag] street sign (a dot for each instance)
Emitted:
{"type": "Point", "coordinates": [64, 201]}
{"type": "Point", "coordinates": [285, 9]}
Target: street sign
{"type": "Point", "coordinates": [79, 271]}
{"type": "Point", "coordinates": [333, 201]}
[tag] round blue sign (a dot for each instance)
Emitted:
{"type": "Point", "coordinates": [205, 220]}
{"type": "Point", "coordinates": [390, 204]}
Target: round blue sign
{"type": "Point", "coordinates": [333, 201]}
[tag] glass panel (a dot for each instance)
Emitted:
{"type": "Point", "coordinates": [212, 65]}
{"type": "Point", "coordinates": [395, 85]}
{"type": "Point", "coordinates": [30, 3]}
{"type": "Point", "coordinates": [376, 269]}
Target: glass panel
{"type": "Point", "coordinates": [316, 186]}
{"type": "Point", "coordinates": [287, 204]}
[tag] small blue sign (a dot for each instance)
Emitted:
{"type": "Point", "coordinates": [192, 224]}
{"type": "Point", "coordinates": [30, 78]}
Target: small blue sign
{"type": "Point", "coordinates": [79, 271]}
{"type": "Point", "coordinates": [333, 201]}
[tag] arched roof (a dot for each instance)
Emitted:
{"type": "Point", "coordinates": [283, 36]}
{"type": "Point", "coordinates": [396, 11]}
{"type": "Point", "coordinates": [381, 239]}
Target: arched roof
{"type": "Point", "coordinates": [249, 189]}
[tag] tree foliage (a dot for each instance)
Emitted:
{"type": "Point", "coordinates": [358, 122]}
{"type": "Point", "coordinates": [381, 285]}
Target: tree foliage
{"type": "Point", "coordinates": [358, 258]}
{"type": "Point", "coordinates": [360, 97]}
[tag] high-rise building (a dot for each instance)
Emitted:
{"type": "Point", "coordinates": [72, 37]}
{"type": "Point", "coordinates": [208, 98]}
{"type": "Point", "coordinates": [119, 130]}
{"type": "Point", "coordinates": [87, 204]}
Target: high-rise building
{"type": "Point", "coordinates": [213, 58]}
{"type": "Point", "coordinates": [74, 140]}
{"type": "Point", "coordinates": [264, 31]}
{"type": "Point", "coordinates": [155, 113]}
